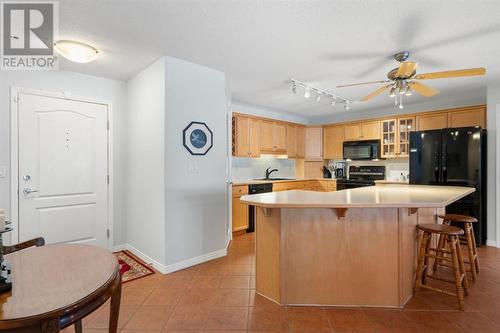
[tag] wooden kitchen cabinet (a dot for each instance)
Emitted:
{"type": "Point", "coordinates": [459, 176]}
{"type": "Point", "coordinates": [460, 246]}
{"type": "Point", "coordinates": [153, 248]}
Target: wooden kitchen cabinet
{"type": "Point", "coordinates": [246, 137]}
{"type": "Point", "coordinates": [240, 211]}
{"type": "Point", "coordinates": [365, 130]}
{"type": "Point", "coordinates": [431, 121]}
{"type": "Point", "coordinates": [333, 140]}
{"type": "Point", "coordinates": [352, 132]}
{"type": "Point", "coordinates": [314, 143]}
{"type": "Point", "coordinates": [291, 141]}
{"type": "Point", "coordinates": [405, 126]}
{"type": "Point", "coordinates": [301, 141]}
{"type": "Point", "coordinates": [467, 118]}
{"type": "Point", "coordinates": [395, 136]}
{"type": "Point", "coordinates": [273, 137]}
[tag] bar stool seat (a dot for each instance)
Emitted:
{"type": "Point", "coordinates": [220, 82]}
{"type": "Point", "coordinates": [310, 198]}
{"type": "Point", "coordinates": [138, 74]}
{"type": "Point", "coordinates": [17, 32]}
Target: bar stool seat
{"type": "Point", "coordinates": [449, 235]}
{"type": "Point", "coordinates": [469, 239]}
{"type": "Point", "coordinates": [441, 229]}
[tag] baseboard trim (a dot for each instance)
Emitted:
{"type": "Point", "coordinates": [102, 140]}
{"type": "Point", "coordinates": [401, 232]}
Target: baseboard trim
{"type": "Point", "coordinates": [491, 243]}
{"type": "Point", "coordinates": [172, 267]}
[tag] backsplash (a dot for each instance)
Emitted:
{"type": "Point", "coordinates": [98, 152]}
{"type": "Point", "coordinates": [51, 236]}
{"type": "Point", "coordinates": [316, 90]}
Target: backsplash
{"type": "Point", "coordinates": [250, 168]}
{"type": "Point", "coordinates": [393, 167]}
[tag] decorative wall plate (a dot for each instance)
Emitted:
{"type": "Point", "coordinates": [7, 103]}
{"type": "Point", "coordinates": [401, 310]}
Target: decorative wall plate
{"type": "Point", "coordinates": [197, 138]}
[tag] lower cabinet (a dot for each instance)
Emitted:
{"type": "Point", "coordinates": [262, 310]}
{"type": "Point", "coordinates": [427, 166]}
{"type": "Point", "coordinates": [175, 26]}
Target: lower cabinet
{"type": "Point", "coordinates": [240, 211]}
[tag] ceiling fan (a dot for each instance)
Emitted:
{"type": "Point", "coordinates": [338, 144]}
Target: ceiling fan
{"type": "Point", "coordinates": [403, 80]}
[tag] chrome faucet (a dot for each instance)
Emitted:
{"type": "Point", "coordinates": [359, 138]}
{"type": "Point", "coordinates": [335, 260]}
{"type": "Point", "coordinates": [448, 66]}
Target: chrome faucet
{"type": "Point", "coordinates": [268, 173]}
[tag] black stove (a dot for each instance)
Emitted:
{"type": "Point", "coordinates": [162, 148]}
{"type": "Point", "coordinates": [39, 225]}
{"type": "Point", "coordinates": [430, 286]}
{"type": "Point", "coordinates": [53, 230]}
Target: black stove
{"type": "Point", "coordinates": [360, 176]}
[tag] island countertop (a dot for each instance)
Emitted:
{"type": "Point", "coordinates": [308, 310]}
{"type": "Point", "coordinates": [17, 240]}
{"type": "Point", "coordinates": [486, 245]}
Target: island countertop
{"type": "Point", "coordinates": [393, 196]}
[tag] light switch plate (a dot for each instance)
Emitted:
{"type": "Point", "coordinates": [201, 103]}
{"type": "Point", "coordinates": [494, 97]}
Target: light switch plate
{"type": "Point", "coordinates": [2, 171]}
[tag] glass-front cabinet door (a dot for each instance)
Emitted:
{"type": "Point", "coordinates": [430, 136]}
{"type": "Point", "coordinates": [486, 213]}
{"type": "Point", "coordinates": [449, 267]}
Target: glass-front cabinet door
{"type": "Point", "coordinates": [389, 145]}
{"type": "Point", "coordinates": [405, 126]}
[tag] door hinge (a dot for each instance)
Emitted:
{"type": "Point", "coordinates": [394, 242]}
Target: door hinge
{"type": "Point", "coordinates": [107, 179]}
{"type": "Point", "coordinates": [107, 233]}
{"type": "Point", "coordinates": [107, 125]}
{"type": "Point", "coordinates": [15, 99]}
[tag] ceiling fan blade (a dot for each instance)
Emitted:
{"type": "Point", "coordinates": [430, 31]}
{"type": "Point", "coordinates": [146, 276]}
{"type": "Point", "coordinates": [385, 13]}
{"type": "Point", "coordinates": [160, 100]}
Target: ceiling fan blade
{"type": "Point", "coordinates": [362, 83]}
{"type": "Point", "coordinates": [375, 93]}
{"type": "Point", "coordinates": [423, 89]}
{"type": "Point", "coordinates": [455, 73]}
{"type": "Point", "coordinates": [406, 69]}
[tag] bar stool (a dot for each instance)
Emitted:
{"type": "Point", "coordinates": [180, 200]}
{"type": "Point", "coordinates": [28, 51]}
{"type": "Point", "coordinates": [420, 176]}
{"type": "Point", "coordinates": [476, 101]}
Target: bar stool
{"type": "Point", "coordinates": [468, 239]}
{"type": "Point", "coordinates": [450, 236]}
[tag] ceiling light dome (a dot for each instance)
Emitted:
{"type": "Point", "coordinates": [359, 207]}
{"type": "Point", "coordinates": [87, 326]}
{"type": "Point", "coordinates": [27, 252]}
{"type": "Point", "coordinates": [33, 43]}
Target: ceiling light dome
{"type": "Point", "coordinates": [76, 51]}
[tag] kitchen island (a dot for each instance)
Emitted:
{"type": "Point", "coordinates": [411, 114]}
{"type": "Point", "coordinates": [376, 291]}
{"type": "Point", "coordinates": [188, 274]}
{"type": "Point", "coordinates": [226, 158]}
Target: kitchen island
{"type": "Point", "coordinates": [354, 247]}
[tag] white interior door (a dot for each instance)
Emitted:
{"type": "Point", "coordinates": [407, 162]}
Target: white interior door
{"type": "Point", "coordinates": [63, 168]}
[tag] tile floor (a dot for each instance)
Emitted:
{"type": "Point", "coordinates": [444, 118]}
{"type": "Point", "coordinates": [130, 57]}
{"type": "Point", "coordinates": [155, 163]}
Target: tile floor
{"type": "Point", "coordinates": [219, 296]}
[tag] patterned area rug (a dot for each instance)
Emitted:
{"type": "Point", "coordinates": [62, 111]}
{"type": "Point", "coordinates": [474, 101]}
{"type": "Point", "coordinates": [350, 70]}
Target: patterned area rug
{"type": "Point", "coordinates": [131, 268]}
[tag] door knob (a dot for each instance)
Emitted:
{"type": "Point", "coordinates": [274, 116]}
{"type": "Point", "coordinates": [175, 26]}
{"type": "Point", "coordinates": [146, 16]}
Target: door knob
{"type": "Point", "coordinates": [27, 191]}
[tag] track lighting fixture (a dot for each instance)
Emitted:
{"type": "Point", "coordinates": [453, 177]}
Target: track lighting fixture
{"type": "Point", "coordinates": [307, 93]}
{"type": "Point", "coordinates": [320, 93]}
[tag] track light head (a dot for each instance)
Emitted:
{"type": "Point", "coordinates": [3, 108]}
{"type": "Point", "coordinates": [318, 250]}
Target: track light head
{"type": "Point", "coordinates": [318, 97]}
{"type": "Point", "coordinates": [334, 101]}
{"type": "Point", "coordinates": [307, 93]}
{"type": "Point", "coordinates": [347, 105]}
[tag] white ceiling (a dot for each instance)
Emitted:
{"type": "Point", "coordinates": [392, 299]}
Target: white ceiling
{"type": "Point", "coordinates": [261, 44]}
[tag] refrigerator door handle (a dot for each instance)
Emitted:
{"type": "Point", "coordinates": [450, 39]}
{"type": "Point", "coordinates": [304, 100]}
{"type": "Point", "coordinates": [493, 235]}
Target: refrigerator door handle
{"type": "Point", "coordinates": [444, 161]}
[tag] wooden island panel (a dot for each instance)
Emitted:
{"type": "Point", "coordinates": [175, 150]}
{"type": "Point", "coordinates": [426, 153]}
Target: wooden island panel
{"type": "Point", "coordinates": [308, 256]}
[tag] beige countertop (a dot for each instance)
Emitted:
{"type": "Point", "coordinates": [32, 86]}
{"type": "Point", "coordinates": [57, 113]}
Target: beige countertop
{"type": "Point", "coordinates": [402, 196]}
{"type": "Point", "coordinates": [396, 182]}
{"type": "Point", "coordinates": [260, 181]}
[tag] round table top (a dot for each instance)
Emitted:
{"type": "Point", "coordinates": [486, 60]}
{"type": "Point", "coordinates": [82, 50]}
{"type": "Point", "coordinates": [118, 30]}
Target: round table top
{"type": "Point", "coordinates": [51, 278]}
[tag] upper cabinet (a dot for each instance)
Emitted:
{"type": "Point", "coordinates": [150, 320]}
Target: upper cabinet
{"type": "Point", "coordinates": [291, 141]}
{"type": "Point", "coordinates": [467, 118]}
{"type": "Point", "coordinates": [246, 136]}
{"type": "Point", "coordinates": [333, 139]}
{"type": "Point", "coordinates": [364, 130]}
{"type": "Point", "coordinates": [314, 143]}
{"type": "Point", "coordinates": [273, 137]}
{"type": "Point", "coordinates": [395, 136]}
{"type": "Point", "coordinates": [253, 136]}
{"type": "Point", "coordinates": [431, 121]}
{"type": "Point", "coordinates": [301, 141]}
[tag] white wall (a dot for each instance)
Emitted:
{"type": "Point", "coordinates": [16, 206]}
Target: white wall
{"type": "Point", "coordinates": [196, 202]}
{"type": "Point", "coordinates": [493, 105]}
{"type": "Point", "coordinates": [260, 111]}
{"type": "Point", "coordinates": [251, 168]}
{"type": "Point", "coordinates": [146, 162]}
{"type": "Point", "coordinates": [474, 97]}
{"type": "Point", "coordinates": [80, 85]}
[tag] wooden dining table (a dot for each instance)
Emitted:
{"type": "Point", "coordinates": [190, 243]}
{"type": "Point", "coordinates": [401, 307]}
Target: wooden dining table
{"type": "Point", "coordinates": [56, 286]}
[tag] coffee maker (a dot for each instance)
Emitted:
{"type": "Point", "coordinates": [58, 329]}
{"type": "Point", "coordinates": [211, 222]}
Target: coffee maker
{"type": "Point", "coordinates": [339, 169]}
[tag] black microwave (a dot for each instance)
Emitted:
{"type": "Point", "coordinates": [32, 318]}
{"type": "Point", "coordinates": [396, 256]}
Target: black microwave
{"type": "Point", "coordinates": [361, 150]}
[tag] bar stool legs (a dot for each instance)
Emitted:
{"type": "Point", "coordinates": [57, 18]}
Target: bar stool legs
{"type": "Point", "coordinates": [468, 239]}
{"type": "Point", "coordinates": [448, 235]}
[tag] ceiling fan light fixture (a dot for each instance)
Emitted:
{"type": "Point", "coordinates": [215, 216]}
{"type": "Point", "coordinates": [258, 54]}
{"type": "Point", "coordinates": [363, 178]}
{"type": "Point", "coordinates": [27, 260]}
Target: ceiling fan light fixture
{"type": "Point", "coordinates": [76, 51]}
{"type": "Point", "coordinates": [392, 92]}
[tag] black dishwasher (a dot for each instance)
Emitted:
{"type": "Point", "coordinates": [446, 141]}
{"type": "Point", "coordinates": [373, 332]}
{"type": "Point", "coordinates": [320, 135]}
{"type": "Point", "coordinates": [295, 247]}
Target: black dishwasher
{"type": "Point", "coordinates": [256, 189]}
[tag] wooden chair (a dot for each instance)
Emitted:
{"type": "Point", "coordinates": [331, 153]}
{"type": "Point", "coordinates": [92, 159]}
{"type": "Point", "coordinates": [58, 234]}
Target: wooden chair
{"type": "Point", "coordinates": [468, 239]}
{"type": "Point", "coordinates": [24, 245]}
{"type": "Point", "coordinates": [450, 236]}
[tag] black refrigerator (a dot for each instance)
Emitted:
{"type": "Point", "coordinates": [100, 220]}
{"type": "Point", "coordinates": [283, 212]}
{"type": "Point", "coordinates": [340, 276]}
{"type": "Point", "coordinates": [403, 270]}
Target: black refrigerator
{"type": "Point", "coordinates": [453, 157]}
